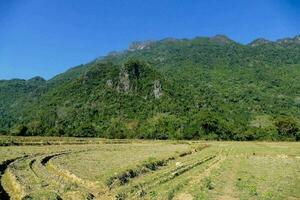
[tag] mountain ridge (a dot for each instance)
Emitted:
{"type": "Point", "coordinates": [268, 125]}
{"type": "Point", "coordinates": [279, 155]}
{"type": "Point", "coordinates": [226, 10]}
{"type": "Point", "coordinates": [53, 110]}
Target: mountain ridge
{"type": "Point", "coordinates": [218, 37]}
{"type": "Point", "coordinates": [206, 87]}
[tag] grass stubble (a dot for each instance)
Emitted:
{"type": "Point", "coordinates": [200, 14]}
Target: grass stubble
{"type": "Point", "coordinates": [134, 169]}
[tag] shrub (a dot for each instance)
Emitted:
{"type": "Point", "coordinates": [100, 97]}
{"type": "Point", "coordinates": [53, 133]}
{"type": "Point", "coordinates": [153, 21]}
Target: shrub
{"type": "Point", "coordinates": [35, 128]}
{"type": "Point", "coordinates": [116, 129]}
{"type": "Point", "coordinates": [85, 130]}
{"type": "Point", "coordinates": [161, 126]}
{"type": "Point", "coordinates": [20, 130]}
{"type": "Point", "coordinates": [286, 127]}
{"type": "Point", "coordinates": [207, 125]}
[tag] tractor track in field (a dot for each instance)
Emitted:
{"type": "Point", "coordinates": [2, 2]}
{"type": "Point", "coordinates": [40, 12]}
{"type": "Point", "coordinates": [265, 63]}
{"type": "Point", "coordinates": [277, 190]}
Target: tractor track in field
{"type": "Point", "coordinates": [26, 175]}
{"type": "Point", "coordinates": [110, 191]}
{"type": "Point", "coordinates": [18, 182]}
{"type": "Point", "coordinates": [36, 168]}
{"type": "Point", "coordinates": [3, 166]}
{"type": "Point", "coordinates": [180, 191]}
{"type": "Point", "coordinates": [132, 174]}
{"type": "Point", "coordinates": [212, 162]}
{"type": "Point", "coordinates": [140, 189]}
{"type": "Point", "coordinates": [198, 179]}
{"type": "Point", "coordinates": [176, 173]}
{"type": "Point", "coordinates": [93, 190]}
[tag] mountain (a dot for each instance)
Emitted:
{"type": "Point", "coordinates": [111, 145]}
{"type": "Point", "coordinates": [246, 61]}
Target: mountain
{"type": "Point", "coordinates": [259, 42]}
{"type": "Point", "coordinates": [206, 87]}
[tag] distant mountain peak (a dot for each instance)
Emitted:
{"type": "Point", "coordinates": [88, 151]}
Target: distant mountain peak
{"type": "Point", "coordinates": [37, 79]}
{"type": "Point", "coordinates": [222, 39]}
{"type": "Point", "coordinates": [297, 39]}
{"type": "Point", "coordinates": [294, 40]}
{"type": "Point", "coordinates": [259, 41]}
{"type": "Point", "coordinates": [169, 39]}
{"type": "Point", "coordinates": [284, 41]}
{"type": "Point", "coordinates": [221, 36]}
{"type": "Point", "coordinates": [140, 45]}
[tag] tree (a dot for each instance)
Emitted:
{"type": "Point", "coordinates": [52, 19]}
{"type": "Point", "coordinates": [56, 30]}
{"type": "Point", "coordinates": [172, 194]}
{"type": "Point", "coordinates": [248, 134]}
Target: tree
{"type": "Point", "coordinates": [286, 127]}
{"type": "Point", "coordinates": [162, 126]}
{"type": "Point", "coordinates": [207, 124]}
{"type": "Point", "coordinates": [85, 130]}
{"type": "Point", "coordinates": [20, 130]}
{"type": "Point", "coordinates": [134, 68]}
{"type": "Point", "coordinates": [116, 129]}
{"type": "Point", "coordinates": [35, 128]}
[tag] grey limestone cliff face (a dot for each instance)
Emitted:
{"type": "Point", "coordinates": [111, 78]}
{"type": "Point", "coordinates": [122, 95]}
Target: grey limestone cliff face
{"type": "Point", "coordinates": [157, 89]}
{"type": "Point", "coordinates": [127, 85]}
{"type": "Point", "coordinates": [134, 46]}
{"type": "Point", "coordinates": [124, 82]}
{"type": "Point", "coordinates": [109, 83]}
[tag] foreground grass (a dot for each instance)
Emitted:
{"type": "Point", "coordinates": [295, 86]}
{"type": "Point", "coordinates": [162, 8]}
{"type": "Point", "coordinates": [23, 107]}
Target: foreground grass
{"type": "Point", "coordinates": [135, 169]}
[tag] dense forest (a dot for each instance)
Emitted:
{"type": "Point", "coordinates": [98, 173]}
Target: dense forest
{"type": "Point", "coordinates": [201, 88]}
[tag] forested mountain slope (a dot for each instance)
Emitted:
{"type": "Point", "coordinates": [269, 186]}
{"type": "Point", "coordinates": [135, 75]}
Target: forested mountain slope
{"type": "Point", "coordinates": [211, 88]}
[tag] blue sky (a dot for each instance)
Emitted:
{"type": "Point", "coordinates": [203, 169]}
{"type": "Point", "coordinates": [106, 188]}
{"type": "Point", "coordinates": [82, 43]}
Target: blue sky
{"type": "Point", "coordinates": [46, 37]}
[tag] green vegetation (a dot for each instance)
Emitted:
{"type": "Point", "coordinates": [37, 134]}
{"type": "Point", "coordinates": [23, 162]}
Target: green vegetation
{"type": "Point", "coordinates": [86, 168]}
{"type": "Point", "coordinates": [203, 88]}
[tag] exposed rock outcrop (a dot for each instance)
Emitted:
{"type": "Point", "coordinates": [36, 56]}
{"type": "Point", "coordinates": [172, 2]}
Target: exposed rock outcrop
{"type": "Point", "coordinates": [157, 89]}
{"type": "Point", "coordinates": [124, 82]}
{"type": "Point", "coordinates": [109, 83]}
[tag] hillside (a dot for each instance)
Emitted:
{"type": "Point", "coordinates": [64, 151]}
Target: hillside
{"type": "Point", "coordinates": [207, 88]}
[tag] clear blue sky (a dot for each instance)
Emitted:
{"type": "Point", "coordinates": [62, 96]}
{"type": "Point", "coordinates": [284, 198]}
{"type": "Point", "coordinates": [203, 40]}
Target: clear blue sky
{"type": "Point", "coordinates": [46, 37]}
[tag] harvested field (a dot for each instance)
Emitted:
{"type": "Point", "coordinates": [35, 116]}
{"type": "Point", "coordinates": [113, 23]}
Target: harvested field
{"type": "Point", "coordinates": [134, 169]}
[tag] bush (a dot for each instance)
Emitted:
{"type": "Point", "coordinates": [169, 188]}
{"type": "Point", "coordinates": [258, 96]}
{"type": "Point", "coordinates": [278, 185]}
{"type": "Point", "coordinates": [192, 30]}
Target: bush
{"type": "Point", "coordinates": [3, 132]}
{"type": "Point", "coordinates": [85, 130]}
{"type": "Point", "coordinates": [35, 128]}
{"type": "Point", "coordinates": [162, 127]}
{"type": "Point", "coordinates": [20, 130]}
{"type": "Point", "coordinates": [298, 136]}
{"type": "Point", "coordinates": [56, 131]}
{"type": "Point", "coordinates": [191, 130]}
{"type": "Point", "coordinates": [116, 129]}
{"type": "Point", "coordinates": [286, 127]}
{"type": "Point", "coordinates": [207, 125]}
{"type": "Point", "coordinates": [248, 135]}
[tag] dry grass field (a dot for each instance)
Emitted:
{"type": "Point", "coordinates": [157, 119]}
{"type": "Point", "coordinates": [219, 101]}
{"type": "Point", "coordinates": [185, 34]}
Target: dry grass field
{"type": "Point", "coordinates": [76, 168]}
